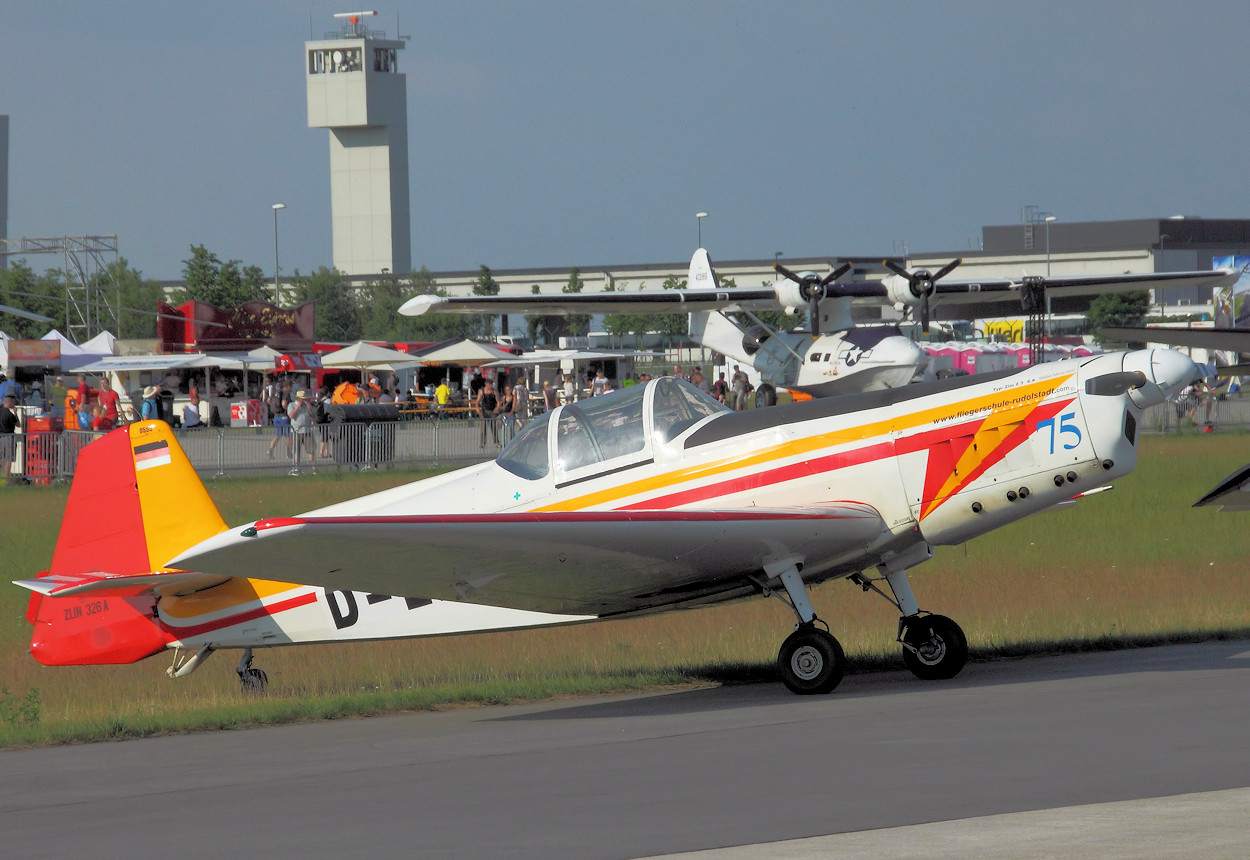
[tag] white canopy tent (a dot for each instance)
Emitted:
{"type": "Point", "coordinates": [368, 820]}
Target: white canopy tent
{"type": "Point", "coordinates": [363, 355]}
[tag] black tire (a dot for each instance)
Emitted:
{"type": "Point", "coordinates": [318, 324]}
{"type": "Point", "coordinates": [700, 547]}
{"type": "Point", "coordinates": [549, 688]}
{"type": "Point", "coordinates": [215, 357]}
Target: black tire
{"type": "Point", "coordinates": [254, 680]}
{"type": "Point", "coordinates": [811, 661]}
{"type": "Point", "coordinates": [765, 396]}
{"type": "Point", "coordinates": [938, 649]}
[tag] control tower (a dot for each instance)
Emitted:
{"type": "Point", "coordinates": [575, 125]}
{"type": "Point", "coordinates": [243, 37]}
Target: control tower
{"type": "Point", "coordinates": [4, 184]}
{"type": "Point", "coordinates": [355, 90]}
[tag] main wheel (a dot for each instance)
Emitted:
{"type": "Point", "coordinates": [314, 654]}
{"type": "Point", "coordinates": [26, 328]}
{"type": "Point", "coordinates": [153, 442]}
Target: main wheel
{"type": "Point", "coordinates": [938, 648]}
{"type": "Point", "coordinates": [765, 396]}
{"type": "Point", "coordinates": [811, 661]}
{"type": "Point", "coordinates": [254, 680]}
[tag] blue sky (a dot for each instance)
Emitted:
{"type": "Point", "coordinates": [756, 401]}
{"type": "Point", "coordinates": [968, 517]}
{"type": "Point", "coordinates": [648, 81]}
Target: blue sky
{"type": "Point", "coordinates": [590, 133]}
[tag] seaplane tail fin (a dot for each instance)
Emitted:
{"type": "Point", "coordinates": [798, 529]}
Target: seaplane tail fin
{"type": "Point", "coordinates": [135, 503]}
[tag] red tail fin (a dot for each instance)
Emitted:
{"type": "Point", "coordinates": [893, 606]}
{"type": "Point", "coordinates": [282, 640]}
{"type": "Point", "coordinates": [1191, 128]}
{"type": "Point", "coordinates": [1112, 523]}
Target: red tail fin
{"type": "Point", "coordinates": [135, 502]}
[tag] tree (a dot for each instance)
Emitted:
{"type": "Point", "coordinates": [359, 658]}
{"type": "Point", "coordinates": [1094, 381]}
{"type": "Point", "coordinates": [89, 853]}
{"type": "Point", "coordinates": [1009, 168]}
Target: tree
{"type": "Point", "coordinates": [225, 285]}
{"type": "Point", "coordinates": [136, 294]}
{"type": "Point", "coordinates": [672, 325]}
{"type": "Point", "coordinates": [1117, 310]}
{"type": "Point", "coordinates": [576, 324]}
{"type": "Point", "coordinates": [338, 316]}
{"type": "Point", "coordinates": [43, 294]}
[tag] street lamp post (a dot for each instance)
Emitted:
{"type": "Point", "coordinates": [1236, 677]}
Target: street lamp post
{"type": "Point", "coordinates": [698, 217]}
{"type": "Point", "coordinates": [277, 293]}
{"type": "Point", "coordinates": [1049, 218]}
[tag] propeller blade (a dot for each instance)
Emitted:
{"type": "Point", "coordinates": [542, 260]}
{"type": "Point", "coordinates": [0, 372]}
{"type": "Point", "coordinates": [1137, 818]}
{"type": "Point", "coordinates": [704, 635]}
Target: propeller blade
{"type": "Point", "coordinates": [897, 269]}
{"type": "Point", "coordinates": [946, 270]}
{"type": "Point", "coordinates": [813, 310]}
{"type": "Point", "coordinates": [835, 274]}
{"type": "Point", "coordinates": [924, 314]}
{"type": "Point", "coordinates": [787, 273]}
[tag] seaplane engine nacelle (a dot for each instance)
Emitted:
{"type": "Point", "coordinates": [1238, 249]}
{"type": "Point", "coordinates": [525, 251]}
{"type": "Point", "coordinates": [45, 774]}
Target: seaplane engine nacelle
{"type": "Point", "coordinates": [900, 289]}
{"type": "Point", "coordinates": [794, 295]}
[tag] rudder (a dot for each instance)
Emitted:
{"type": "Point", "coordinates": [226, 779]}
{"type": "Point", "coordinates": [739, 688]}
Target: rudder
{"type": "Point", "coordinates": [135, 503]}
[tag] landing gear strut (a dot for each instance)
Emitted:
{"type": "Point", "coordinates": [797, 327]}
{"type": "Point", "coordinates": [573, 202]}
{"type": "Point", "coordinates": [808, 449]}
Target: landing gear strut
{"type": "Point", "coordinates": [810, 661]}
{"type": "Point", "coordinates": [934, 647]}
{"type": "Point", "coordinates": [253, 680]}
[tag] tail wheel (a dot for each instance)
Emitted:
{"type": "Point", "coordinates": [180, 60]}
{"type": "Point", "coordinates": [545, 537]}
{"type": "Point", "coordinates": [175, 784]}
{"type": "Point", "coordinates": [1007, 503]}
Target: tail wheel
{"type": "Point", "coordinates": [934, 648]}
{"type": "Point", "coordinates": [811, 661]}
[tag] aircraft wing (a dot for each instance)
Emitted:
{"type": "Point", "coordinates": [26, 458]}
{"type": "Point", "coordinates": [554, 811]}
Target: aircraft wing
{"type": "Point", "coordinates": [636, 302]}
{"type": "Point", "coordinates": [783, 294]}
{"type": "Point", "coordinates": [1231, 339]}
{"type": "Point", "coordinates": [993, 289]}
{"type": "Point", "coordinates": [581, 563]}
{"type": "Point", "coordinates": [1231, 494]}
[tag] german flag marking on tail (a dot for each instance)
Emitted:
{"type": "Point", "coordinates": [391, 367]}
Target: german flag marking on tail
{"type": "Point", "coordinates": [152, 454]}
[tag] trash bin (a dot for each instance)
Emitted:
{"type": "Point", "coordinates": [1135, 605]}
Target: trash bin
{"type": "Point", "coordinates": [362, 434]}
{"type": "Point", "coordinates": [245, 413]}
{"type": "Point", "coordinates": [39, 435]}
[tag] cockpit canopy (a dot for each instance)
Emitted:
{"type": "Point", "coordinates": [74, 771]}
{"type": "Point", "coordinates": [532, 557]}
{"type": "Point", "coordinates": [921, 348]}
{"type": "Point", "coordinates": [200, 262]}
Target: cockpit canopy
{"type": "Point", "coordinates": [609, 431]}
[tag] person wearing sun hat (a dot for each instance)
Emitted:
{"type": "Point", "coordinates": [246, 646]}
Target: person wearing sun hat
{"type": "Point", "coordinates": [149, 410]}
{"type": "Point", "coordinates": [300, 413]}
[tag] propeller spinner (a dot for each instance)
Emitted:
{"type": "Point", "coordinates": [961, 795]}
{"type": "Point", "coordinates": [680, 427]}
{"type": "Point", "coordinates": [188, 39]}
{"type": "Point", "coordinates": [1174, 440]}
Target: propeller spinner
{"type": "Point", "coordinates": [814, 288]}
{"type": "Point", "coordinates": [922, 284]}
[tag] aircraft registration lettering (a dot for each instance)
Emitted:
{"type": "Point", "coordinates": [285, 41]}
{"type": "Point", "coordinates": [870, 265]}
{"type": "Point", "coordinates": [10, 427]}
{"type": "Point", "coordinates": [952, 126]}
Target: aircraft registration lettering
{"type": "Point", "coordinates": [95, 607]}
{"type": "Point", "coordinates": [348, 614]}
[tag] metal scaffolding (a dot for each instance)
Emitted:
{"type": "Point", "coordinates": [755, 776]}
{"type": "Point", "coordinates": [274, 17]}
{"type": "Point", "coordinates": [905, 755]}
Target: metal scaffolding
{"type": "Point", "coordinates": [88, 309]}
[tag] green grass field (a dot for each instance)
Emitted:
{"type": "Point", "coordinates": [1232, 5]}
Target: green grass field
{"type": "Point", "coordinates": [1132, 566]}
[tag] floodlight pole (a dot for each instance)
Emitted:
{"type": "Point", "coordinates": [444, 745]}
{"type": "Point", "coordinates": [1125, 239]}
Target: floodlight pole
{"type": "Point", "coordinates": [277, 293]}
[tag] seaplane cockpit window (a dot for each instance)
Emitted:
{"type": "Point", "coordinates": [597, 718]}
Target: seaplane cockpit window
{"type": "Point", "coordinates": [526, 454]}
{"type": "Point", "coordinates": [678, 406]}
{"type": "Point", "coordinates": [601, 428]}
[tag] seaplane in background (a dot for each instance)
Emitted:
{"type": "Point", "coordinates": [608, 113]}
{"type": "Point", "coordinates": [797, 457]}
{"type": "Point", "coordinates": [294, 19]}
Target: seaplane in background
{"type": "Point", "coordinates": [835, 356]}
{"type": "Point", "coordinates": [649, 498]}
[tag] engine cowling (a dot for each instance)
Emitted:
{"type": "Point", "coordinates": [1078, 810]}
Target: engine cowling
{"type": "Point", "coordinates": [790, 294]}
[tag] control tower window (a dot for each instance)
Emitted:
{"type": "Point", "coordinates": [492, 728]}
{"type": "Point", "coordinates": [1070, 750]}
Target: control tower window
{"type": "Point", "coordinates": [329, 60]}
{"type": "Point", "coordinates": [384, 60]}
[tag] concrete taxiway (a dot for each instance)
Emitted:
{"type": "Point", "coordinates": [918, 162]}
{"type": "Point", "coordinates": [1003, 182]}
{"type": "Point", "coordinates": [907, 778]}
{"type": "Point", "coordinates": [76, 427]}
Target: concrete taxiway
{"type": "Point", "coordinates": [1140, 751]}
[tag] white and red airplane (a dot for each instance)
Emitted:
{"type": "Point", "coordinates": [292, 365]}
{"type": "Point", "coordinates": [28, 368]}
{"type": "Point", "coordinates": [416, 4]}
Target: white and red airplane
{"type": "Point", "coordinates": [652, 497]}
{"type": "Point", "coordinates": [835, 356]}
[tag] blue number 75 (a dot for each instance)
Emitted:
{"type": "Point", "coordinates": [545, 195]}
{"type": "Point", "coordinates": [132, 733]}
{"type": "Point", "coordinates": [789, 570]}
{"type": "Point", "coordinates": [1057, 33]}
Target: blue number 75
{"type": "Point", "coordinates": [1067, 424]}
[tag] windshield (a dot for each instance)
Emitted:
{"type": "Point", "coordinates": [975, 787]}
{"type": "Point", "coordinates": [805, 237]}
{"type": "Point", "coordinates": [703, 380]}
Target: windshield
{"type": "Point", "coordinates": [526, 454]}
{"type": "Point", "coordinates": [678, 406]}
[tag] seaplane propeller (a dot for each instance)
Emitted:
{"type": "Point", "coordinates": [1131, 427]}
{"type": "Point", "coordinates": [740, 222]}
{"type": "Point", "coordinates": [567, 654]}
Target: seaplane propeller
{"type": "Point", "coordinates": [922, 284]}
{"type": "Point", "coordinates": [813, 288]}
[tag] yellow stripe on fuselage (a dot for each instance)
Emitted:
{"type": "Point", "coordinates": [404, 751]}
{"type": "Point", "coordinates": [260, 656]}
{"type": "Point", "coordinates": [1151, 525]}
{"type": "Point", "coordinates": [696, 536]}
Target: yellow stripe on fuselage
{"type": "Point", "coordinates": [1002, 405]}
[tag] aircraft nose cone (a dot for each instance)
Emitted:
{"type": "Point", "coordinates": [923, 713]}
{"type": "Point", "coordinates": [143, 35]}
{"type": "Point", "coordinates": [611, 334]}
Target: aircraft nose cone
{"type": "Point", "coordinates": [1166, 370]}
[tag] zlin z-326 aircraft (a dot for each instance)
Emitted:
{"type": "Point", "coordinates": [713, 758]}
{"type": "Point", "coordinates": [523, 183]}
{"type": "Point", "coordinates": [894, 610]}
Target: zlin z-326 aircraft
{"type": "Point", "coordinates": [835, 356]}
{"type": "Point", "coordinates": [649, 498]}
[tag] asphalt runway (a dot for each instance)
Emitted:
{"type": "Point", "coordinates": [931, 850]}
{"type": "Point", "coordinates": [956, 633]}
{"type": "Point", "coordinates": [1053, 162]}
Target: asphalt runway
{"type": "Point", "coordinates": [1137, 751]}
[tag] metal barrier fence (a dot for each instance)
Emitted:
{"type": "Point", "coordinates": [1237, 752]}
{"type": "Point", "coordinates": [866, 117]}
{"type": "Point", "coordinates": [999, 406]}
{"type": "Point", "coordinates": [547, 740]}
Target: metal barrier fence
{"type": "Point", "coordinates": [218, 452]}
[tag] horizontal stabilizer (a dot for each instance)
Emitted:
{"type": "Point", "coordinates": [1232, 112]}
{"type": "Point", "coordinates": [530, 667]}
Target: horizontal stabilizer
{"type": "Point", "coordinates": [121, 584]}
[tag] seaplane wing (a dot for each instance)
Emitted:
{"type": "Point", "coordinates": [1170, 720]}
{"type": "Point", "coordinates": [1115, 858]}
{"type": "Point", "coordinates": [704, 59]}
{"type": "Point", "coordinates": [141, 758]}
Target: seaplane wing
{"type": "Point", "coordinates": [798, 290]}
{"type": "Point", "coordinates": [1229, 339]}
{"type": "Point", "coordinates": [1063, 286]}
{"type": "Point", "coordinates": [582, 563]}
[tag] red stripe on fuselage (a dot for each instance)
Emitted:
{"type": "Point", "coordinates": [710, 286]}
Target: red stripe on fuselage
{"type": "Point", "coordinates": [250, 615]}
